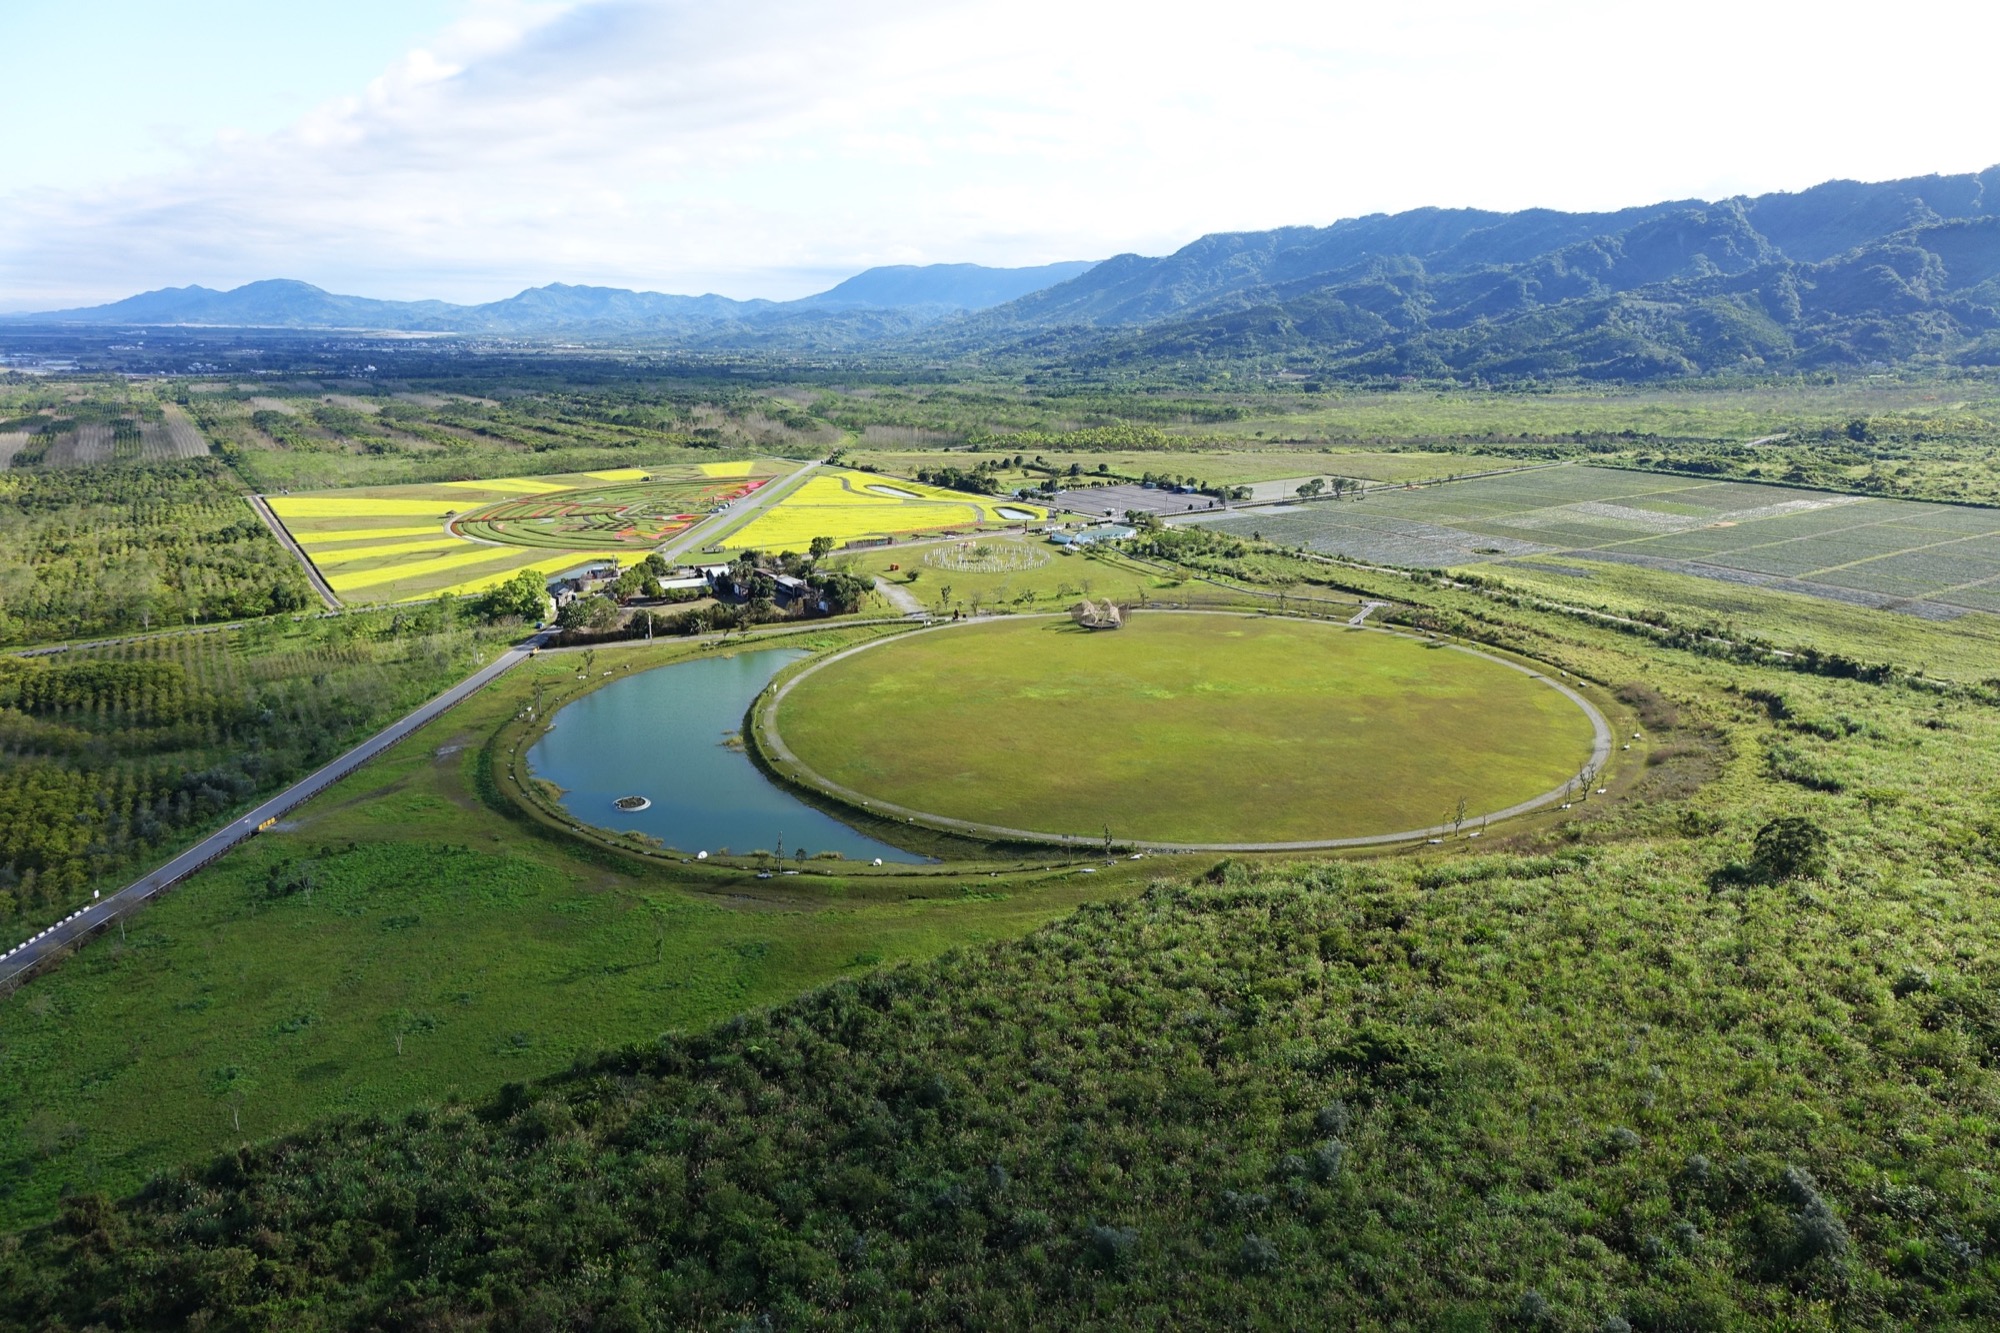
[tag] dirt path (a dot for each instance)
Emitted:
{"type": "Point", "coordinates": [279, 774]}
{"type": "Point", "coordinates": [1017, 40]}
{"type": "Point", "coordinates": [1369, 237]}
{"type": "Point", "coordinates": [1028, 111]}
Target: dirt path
{"type": "Point", "coordinates": [899, 597]}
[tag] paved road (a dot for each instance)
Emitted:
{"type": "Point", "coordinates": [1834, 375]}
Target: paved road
{"type": "Point", "coordinates": [278, 530]}
{"type": "Point", "coordinates": [714, 524]}
{"type": "Point", "coordinates": [25, 958]}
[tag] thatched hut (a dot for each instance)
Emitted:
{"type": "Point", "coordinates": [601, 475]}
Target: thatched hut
{"type": "Point", "coordinates": [1098, 615]}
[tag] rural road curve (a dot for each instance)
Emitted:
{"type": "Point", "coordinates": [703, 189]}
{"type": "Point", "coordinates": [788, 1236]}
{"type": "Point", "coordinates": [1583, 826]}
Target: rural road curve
{"type": "Point", "coordinates": [278, 530]}
{"type": "Point", "coordinates": [24, 959]}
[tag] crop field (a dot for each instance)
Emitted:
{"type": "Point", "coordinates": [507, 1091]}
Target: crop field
{"type": "Point", "coordinates": [405, 543]}
{"type": "Point", "coordinates": [174, 436]}
{"type": "Point", "coordinates": [90, 442]}
{"type": "Point", "coordinates": [1930, 559]}
{"type": "Point", "coordinates": [1179, 728]}
{"type": "Point", "coordinates": [611, 516]}
{"type": "Point", "coordinates": [855, 506]}
{"type": "Point", "coordinates": [94, 426]}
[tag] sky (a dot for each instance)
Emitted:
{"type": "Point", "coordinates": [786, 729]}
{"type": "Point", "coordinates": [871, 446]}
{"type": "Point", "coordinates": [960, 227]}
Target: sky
{"type": "Point", "coordinates": [466, 149]}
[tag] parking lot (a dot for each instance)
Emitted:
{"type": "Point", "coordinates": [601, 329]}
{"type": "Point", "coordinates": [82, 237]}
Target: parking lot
{"type": "Point", "coordinates": [1114, 501]}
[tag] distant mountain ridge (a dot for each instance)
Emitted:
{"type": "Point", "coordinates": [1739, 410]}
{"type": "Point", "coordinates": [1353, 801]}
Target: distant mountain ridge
{"type": "Point", "coordinates": [921, 294]}
{"type": "Point", "coordinates": [1846, 273]}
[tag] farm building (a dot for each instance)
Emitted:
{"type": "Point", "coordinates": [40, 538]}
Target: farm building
{"type": "Point", "coordinates": [1103, 532]}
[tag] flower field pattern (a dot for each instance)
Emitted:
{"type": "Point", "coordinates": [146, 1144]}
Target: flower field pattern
{"type": "Point", "coordinates": [406, 543]}
{"type": "Point", "coordinates": [855, 506]}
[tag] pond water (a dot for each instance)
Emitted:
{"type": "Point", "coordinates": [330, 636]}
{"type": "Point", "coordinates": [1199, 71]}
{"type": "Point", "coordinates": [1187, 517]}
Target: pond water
{"type": "Point", "coordinates": [660, 735]}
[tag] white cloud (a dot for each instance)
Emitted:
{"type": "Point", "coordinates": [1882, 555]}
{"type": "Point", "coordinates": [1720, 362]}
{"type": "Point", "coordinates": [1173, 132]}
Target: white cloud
{"type": "Point", "coordinates": [768, 147]}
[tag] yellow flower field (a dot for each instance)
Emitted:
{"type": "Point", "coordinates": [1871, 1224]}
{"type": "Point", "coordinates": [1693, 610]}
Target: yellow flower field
{"type": "Point", "coordinates": [392, 543]}
{"type": "Point", "coordinates": [848, 506]}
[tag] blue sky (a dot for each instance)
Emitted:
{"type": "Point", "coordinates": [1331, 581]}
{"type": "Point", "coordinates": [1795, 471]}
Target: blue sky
{"type": "Point", "coordinates": [465, 149]}
{"type": "Point", "coordinates": [125, 87]}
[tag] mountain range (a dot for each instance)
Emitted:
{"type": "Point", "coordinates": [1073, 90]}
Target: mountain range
{"type": "Point", "coordinates": [918, 294]}
{"type": "Point", "coordinates": [1842, 274]}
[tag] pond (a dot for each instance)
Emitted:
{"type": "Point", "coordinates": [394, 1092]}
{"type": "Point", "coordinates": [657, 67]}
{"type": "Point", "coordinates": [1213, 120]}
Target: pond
{"type": "Point", "coordinates": [662, 734]}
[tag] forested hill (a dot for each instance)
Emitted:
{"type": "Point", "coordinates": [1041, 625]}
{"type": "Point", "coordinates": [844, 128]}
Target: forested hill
{"type": "Point", "coordinates": [1844, 274]}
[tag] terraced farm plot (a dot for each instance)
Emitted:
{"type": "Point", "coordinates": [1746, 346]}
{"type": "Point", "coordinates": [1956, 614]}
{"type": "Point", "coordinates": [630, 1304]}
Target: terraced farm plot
{"type": "Point", "coordinates": [1930, 559]}
{"type": "Point", "coordinates": [856, 506]}
{"type": "Point", "coordinates": [406, 543]}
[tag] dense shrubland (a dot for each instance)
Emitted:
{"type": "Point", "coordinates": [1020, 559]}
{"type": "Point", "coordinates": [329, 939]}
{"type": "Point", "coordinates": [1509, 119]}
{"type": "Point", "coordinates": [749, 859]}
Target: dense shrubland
{"type": "Point", "coordinates": [108, 550]}
{"type": "Point", "coordinates": [1516, 1091]}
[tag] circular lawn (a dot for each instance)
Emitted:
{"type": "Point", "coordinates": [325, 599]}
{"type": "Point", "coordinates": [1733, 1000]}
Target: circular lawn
{"type": "Point", "coordinates": [1194, 729]}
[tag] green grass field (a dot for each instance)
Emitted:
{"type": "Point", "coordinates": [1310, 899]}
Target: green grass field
{"type": "Point", "coordinates": [1183, 729]}
{"type": "Point", "coordinates": [445, 948]}
{"type": "Point", "coordinates": [1050, 585]}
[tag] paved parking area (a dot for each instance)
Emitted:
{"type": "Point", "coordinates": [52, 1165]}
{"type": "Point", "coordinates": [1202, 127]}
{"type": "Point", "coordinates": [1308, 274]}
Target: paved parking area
{"type": "Point", "coordinates": [1113, 501]}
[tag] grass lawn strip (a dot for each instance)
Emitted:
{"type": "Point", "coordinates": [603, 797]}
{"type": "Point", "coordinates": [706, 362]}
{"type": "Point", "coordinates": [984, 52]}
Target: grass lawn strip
{"type": "Point", "coordinates": [1184, 730]}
